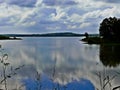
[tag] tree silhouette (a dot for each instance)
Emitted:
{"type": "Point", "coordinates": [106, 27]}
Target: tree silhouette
{"type": "Point", "coordinates": [110, 29]}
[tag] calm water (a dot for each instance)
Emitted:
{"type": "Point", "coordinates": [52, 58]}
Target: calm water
{"type": "Point", "coordinates": [64, 63]}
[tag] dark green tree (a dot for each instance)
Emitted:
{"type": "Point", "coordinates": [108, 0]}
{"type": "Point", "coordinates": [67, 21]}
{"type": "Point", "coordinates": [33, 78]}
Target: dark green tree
{"type": "Point", "coordinates": [110, 29]}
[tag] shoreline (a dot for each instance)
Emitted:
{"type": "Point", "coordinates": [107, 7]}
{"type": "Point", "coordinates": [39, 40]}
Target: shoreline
{"type": "Point", "coordinates": [98, 40]}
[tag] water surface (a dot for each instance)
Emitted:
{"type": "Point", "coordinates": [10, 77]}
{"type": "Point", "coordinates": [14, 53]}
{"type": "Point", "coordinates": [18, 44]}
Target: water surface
{"type": "Point", "coordinates": [60, 61]}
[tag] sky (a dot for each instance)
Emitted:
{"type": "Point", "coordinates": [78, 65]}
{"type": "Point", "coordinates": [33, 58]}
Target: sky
{"type": "Point", "coordinates": [41, 16]}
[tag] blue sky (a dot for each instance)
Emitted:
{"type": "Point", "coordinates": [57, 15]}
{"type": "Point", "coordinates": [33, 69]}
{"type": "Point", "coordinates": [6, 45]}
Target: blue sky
{"type": "Point", "coordinates": [40, 16]}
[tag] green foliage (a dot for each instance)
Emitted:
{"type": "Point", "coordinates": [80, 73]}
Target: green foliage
{"type": "Point", "coordinates": [109, 32]}
{"type": "Point", "coordinates": [93, 40]}
{"type": "Point", "coordinates": [4, 37]}
{"type": "Point", "coordinates": [110, 29]}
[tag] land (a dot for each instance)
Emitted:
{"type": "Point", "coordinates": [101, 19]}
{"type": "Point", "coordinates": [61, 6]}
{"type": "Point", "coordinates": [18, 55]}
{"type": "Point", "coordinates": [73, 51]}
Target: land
{"type": "Point", "coordinates": [5, 37]}
{"type": "Point", "coordinates": [99, 40]}
{"type": "Point", "coordinates": [59, 34]}
{"type": "Point", "coordinates": [15, 36]}
{"type": "Point", "coordinates": [62, 34]}
{"type": "Point", "coordinates": [92, 40]}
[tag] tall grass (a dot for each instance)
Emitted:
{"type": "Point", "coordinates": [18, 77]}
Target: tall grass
{"type": "Point", "coordinates": [7, 71]}
{"type": "Point", "coordinates": [106, 80]}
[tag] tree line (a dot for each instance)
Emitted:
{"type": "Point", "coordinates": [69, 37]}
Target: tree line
{"type": "Point", "coordinates": [110, 29]}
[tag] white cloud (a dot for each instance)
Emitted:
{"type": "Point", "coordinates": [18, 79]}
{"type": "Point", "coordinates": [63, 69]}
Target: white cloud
{"type": "Point", "coordinates": [59, 14]}
{"type": "Point", "coordinates": [75, 18]}
{"type": "Point", "coordinates": [66, 14]}
{"type": "Point", "coordinates": [110, 1]}
{"type": "Point", "coordinates": [59, 2]}
{"type": "Point", "coordinates": [21, 3]}
{"type": "Point", "coordinates": [83, 25]}
{"type": "Point", "coordinates": [71, 26]}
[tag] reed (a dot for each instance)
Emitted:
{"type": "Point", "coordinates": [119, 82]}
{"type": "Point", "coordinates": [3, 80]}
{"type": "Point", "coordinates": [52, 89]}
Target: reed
{"type": "Point", "coordinates": [7, 69]}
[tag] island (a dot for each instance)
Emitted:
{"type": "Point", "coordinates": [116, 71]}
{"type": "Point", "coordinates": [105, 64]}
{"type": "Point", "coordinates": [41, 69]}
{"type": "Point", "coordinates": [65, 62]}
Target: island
{"type": "Point", "coordinates": [109, 32]}
{"type": "Point", "coordinates": [5, 37]}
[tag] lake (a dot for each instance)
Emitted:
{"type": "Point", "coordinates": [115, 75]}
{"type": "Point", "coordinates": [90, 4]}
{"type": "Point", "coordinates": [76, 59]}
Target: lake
{"type": "Point", "coordinates": [58, 63]}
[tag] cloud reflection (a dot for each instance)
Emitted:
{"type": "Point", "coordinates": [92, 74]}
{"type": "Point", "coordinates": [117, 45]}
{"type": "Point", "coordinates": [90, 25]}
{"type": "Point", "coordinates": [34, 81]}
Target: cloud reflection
{"type": "Point", "coordinates": [47, 84]}
{"type": "Point", "coordinates": [74, 61]}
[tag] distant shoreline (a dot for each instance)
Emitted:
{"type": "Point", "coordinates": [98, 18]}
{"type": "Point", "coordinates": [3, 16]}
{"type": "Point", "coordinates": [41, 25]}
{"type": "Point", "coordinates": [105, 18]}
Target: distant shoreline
{"type": "Point", "coordinates": [10, 38]}
{"type": "Point", "coordinates": [5, 37]}
{"type": "Point", "coordinates": [64, 34]}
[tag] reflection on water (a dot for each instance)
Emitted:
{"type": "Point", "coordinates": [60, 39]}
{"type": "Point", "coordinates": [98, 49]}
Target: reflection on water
{"type": "Point", "coordinates": [6, 71]}
{"type": "Point", "coordinates": [58, 62]}
{"type": "Point", "coordinates": [110, 55]}
{"type": "Point", "coordinates": [47, 84]}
